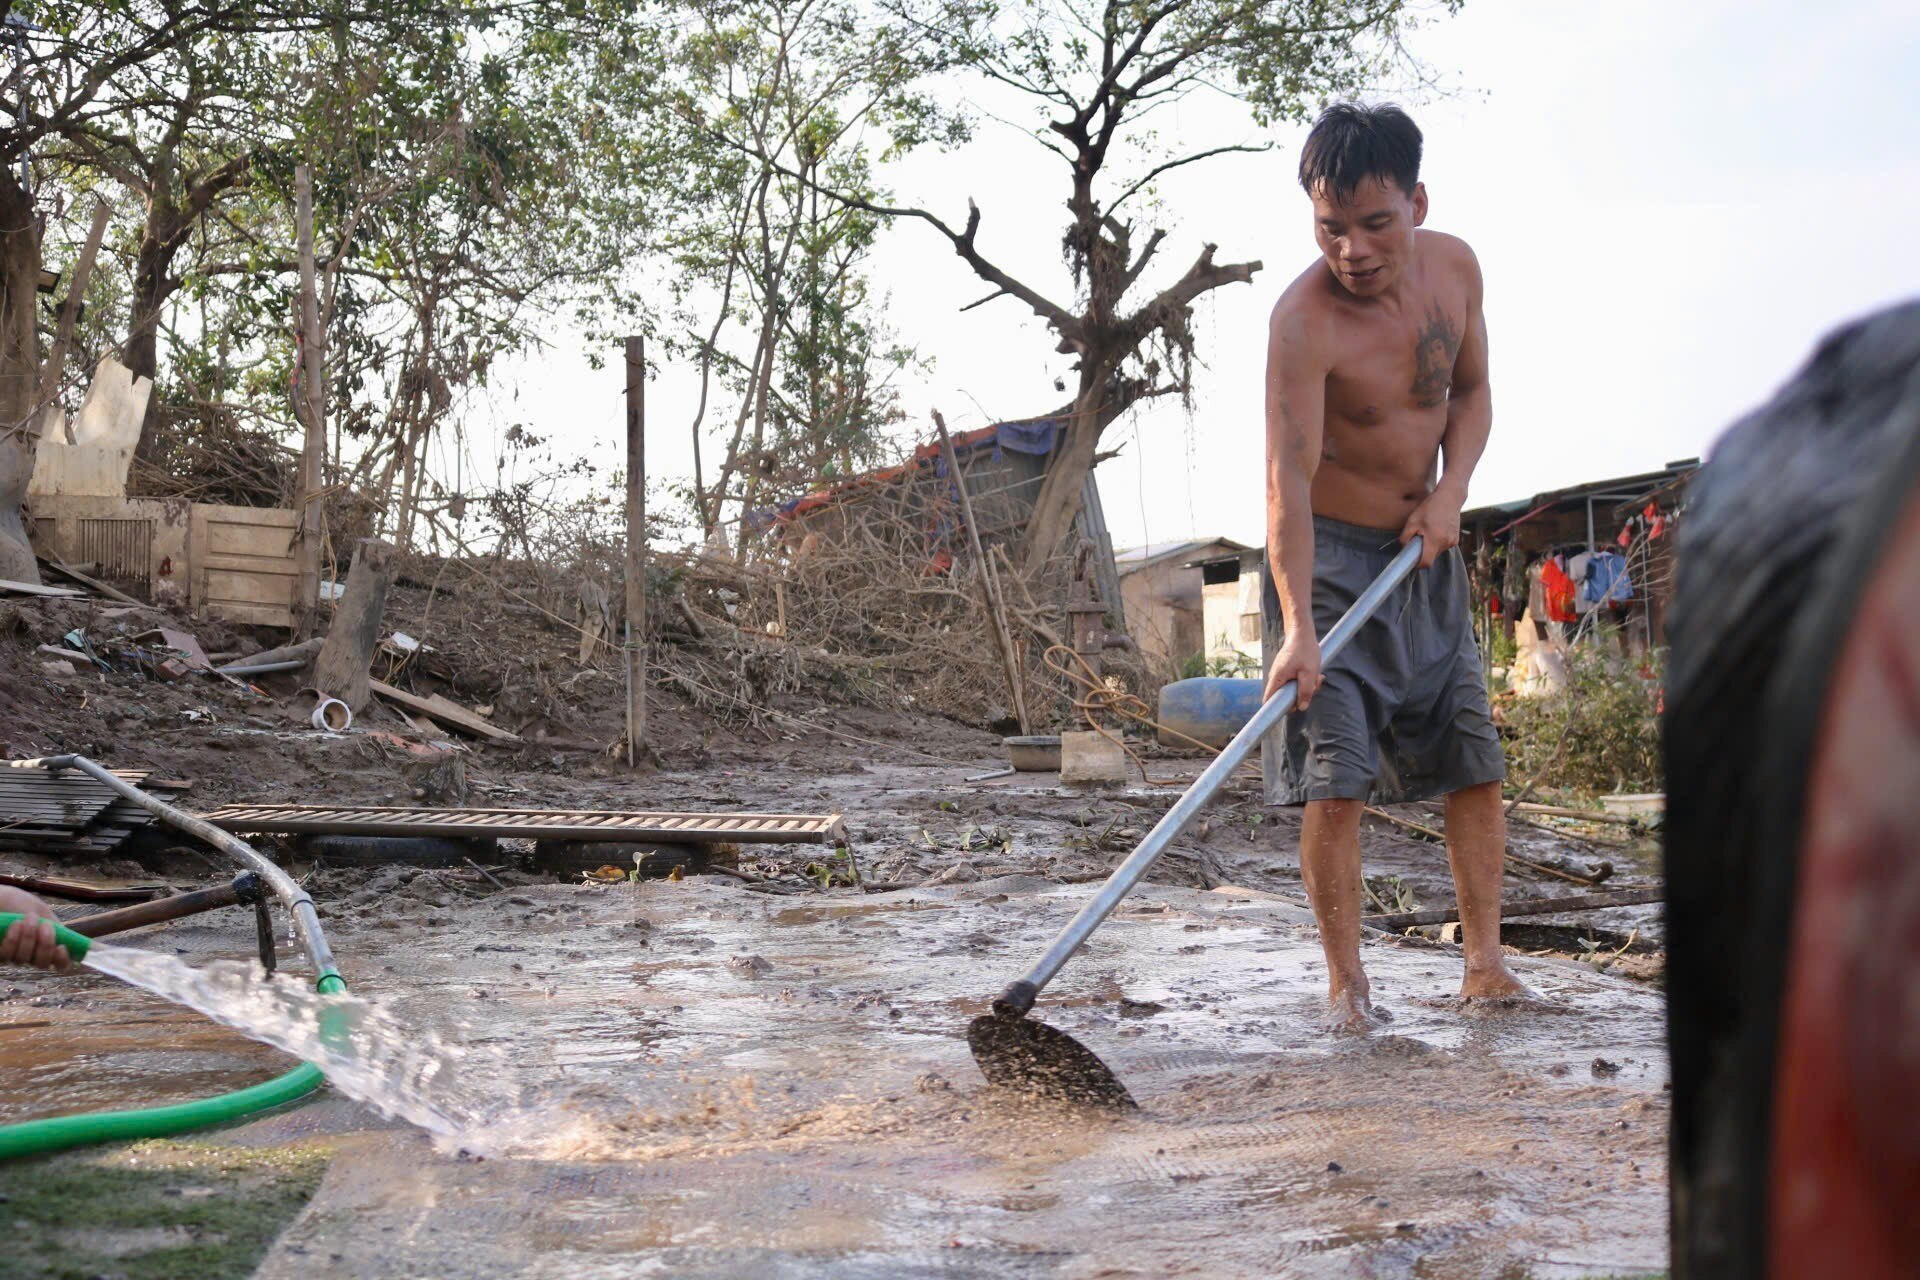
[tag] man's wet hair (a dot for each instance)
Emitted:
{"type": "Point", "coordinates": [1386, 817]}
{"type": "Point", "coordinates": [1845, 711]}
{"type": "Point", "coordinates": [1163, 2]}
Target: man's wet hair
{"type": "Point", "coordinates": [1352, 142]}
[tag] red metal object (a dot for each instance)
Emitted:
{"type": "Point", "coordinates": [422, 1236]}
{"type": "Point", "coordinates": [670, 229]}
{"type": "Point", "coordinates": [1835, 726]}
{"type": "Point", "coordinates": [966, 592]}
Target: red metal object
{"type": "Point", "coordinates": [1845, 1174]}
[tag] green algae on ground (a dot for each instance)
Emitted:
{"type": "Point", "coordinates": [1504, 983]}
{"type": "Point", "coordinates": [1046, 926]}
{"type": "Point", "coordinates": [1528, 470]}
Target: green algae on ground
{"type": "Point", "coordinates": [151, 1211]}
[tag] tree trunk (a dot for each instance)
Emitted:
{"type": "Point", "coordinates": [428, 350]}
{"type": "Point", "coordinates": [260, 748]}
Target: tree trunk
{"type": "Point", "coordinates": [152, 286]}
{"type": "Point", "coordinates": [1059, 501]}
{"type": "Point", "coordinates": [341, 670]}
{"type": "Point", "coordinates": [19, 371]}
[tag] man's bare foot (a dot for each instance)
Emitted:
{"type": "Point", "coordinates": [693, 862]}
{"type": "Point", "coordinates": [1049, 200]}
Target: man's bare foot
{"type": "Point", "coordinates": [1495, 982]}
{"type": "Point", "coordinates": [1350, 1013]}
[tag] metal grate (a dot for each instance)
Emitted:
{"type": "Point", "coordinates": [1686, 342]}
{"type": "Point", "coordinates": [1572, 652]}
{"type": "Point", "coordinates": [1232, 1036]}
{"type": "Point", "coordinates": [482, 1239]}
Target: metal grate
{"type": "Point", "coordinates": [68, 812]}
{"type": "Point", "coordinates": [123, 550]}
{"type": "Point", "coordinates": [532, 824]}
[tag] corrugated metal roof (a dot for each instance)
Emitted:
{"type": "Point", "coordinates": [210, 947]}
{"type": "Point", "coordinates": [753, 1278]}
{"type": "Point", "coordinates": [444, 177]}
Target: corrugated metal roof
{"type": "Point", "coordinates": [1135, 559]}
{"type": "Point", "coordinates": [1643, 482]}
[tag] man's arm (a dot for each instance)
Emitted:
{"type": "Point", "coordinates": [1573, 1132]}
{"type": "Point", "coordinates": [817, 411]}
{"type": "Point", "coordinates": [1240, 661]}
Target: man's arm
{"type": "Point", "coordinates": [1469, 422]}
{"type": "Point", "coordinates": [1296, 425]}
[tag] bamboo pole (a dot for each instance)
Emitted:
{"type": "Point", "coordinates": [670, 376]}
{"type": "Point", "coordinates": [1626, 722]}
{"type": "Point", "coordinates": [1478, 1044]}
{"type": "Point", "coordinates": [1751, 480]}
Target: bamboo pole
{"type": "Point", "coordinates": [989, 581]}
{"type": "Point", "coordinates": [56, 366]}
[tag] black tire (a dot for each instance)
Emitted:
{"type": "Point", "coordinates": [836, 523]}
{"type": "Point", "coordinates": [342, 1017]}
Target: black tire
{"type": "Point", "coordinates": [1782, 535]}
{"type": "Point", "coordinates": [652, 859]}
{"type": "Point", "coordinates": [400, 851]}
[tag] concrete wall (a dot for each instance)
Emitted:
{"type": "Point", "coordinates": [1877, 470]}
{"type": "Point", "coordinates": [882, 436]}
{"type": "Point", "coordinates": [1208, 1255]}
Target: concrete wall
{"type": "Point", "coordinates": [1231, 615]}
{"type": "Point", "coordinates": [1165, 606]}
{"type": "Point", "coordinates": [1162, 604]}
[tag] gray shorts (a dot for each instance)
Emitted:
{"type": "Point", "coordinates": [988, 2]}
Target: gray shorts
{"type": "Point", "coordinates": [1403, 712]}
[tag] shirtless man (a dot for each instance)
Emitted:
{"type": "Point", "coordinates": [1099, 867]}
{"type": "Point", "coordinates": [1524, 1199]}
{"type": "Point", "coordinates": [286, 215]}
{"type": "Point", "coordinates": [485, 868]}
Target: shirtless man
{"type": "Point", "coordinates": [1376, 375]}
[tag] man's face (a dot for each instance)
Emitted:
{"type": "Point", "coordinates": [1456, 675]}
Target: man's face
{"type": "Point", "coordinates": [1367, 239]}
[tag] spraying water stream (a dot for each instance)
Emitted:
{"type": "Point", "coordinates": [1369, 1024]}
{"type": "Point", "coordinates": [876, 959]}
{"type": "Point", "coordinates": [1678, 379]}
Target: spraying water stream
{"type": "Point", "coordinates": [367, 1053]}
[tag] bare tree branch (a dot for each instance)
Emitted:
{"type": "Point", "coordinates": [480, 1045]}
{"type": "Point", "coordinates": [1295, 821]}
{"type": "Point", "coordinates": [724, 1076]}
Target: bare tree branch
{"type": "Point", "coordinates": [1195, 158]}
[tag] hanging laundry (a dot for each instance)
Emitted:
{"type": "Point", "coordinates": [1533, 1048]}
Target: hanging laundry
{"type": "Point", "coordinates": [1559, 591]}
{"type": "Point", "coordinates": [1577, 570]}
{"type": "Point", "coordinates": [1606, 580]}
{"type": "Point", "coordinates": [1656, 520]}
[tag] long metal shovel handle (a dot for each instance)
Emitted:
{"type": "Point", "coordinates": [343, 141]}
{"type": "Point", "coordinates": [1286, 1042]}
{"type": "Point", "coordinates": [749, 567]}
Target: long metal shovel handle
{"type": "Point", "coordinates": [1020, 995]}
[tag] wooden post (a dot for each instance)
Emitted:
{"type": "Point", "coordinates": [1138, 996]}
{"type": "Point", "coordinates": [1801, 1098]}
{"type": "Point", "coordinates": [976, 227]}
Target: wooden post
{"type": "Point", "coordinates": [56, 365]}
{"type": "Point", "coordinates": [313, 401]}
{"type": "Point", "coordinates": [636, 626]}
{"type": "Point", "coordinates": [341, 670]}
{"type": "Point", "coordinates": [989, 581]}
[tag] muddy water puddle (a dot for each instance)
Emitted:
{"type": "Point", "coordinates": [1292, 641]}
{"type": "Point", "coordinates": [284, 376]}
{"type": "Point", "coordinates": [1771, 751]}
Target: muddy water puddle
{"type": "Point", "coordinates": [85, 1042]}
{"type": "Point", "coordinates": [733, 1086]}
{"type": "Point", "coordinates": [717, 1083]}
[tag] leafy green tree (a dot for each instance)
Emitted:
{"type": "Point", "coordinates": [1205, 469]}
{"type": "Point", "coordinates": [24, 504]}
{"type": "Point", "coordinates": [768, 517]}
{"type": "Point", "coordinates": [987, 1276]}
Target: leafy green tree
{"type": "Point", "coordinates": [769, 102]}
{"type": "Point", "coordinates": [125, 87]}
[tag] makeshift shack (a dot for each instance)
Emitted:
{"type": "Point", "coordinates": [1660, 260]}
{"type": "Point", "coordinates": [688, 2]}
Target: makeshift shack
{"type": "Point", "coordinates": [1164, 587]}
{"type": "Point", "coordinates": [210, 559]}
{"type": "Point", "coordinates": [1613, 539]}
{"type": "Point", "coordinates": [1002, 467]}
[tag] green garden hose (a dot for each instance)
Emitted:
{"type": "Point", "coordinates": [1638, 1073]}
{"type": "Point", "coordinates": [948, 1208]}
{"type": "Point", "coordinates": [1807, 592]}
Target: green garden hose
{"type": "Point", "coordinates": [75, 943]}
{"type": "Point", "coordinates": [37, 1137]}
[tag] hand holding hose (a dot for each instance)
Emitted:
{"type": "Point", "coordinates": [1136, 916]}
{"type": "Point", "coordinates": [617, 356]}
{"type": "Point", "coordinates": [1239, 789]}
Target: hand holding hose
{"type": "Point", "coordinates": [30, 939]}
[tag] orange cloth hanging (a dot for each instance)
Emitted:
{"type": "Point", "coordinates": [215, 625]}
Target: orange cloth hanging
{"type": "Point", "coordinates": [1559, 589]}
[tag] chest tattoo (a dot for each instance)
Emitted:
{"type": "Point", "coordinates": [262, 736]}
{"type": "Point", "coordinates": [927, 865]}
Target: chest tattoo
{"type": "Point", "coordinates": [1439, 343]}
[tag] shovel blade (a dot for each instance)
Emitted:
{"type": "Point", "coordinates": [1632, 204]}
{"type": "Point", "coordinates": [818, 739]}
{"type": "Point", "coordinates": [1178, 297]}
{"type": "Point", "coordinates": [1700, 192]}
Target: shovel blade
{"type": "Point", "coordinates": [1019, 1053]}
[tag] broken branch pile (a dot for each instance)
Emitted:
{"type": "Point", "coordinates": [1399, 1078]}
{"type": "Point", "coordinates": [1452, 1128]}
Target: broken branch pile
{"type": "Point", "coordinates": [885, 595]}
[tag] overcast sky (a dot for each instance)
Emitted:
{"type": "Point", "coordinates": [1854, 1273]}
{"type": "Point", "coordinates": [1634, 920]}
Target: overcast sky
{"type": "Point", "coordinates": [1670, 202]}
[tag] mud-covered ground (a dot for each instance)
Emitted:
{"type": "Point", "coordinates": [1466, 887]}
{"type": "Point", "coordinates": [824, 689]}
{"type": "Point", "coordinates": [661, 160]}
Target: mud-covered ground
{"type": "Point", "coordinates": [718, 1077]}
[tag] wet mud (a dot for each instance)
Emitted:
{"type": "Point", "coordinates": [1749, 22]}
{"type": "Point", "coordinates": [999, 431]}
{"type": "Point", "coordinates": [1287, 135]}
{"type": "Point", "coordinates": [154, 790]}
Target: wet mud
{"type": "Point", "coordinates": [699, 1081]}
{"type": "Point", "coordinates": [693, 1079]}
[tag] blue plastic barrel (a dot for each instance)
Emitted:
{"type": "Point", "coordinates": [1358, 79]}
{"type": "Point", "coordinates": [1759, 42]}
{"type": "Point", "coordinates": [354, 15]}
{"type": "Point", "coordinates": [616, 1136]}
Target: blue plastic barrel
{"type": "Point", "coordinates": [1208, 708]}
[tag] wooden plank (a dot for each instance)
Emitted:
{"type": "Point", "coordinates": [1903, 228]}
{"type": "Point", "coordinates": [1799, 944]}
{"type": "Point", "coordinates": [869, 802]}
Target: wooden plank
{"type": "Point", "coordinates": [68, 571]}
{"type": "Point", "coordinates": [246, 586]}
{"type": "Point", "coordinates": [10, 587]}
{"type": "Point", "coordinates": [1526, 907]}
{"type": "Point", "coordinates": [255, 539]}
{"type": "Point", "coordinates": [84, 890]}
{"type": "Point", "coordinates": [650, 816]}
{"type": "Point", "coordinates": [1584, 815]}
{"type": "Point", "coordinates": [444, 710]}
{"type": "Point", "coordinates": [312, 399]}
{"type": "Point", "coordinates": [636, 566]}
{"type": "Point", "coordinates": [526, 823]}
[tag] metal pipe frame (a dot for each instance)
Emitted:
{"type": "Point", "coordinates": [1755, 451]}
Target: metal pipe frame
{"type": "Point", "coordinates": [247, 887]}
{"type": "Point", "coordinates": [305, 918]}
{"type": "Point", "coordinates": [261, 669]}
